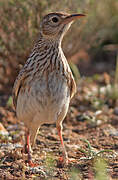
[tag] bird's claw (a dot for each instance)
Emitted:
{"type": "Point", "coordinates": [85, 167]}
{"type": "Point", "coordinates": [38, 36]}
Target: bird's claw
{"type": "Point", "coordinates": [31, 164]}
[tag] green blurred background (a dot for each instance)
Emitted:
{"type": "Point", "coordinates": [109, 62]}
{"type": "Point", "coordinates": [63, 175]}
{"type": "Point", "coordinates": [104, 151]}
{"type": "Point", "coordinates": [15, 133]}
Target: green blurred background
{"type": "Point", "coordinates": [89, 42]}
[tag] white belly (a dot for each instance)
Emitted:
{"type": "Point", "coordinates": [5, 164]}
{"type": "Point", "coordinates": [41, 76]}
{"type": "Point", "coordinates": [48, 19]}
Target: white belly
{"type": "Point", "coordinates": [46, 99]}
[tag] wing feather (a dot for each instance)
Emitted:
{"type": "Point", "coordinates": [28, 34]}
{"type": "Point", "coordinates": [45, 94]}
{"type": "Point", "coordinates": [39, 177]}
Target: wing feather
{"type": "Point", "coordinates": [17, 86]}
{"type": "Point", "coordinates": [73, 87]}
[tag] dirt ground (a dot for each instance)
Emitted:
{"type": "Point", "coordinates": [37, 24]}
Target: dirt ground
{"type": "Point", "coordinates": [90, 133]}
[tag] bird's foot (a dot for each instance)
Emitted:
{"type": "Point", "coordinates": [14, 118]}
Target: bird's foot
{"type": "Point", "coordinates": [32, 164]}
{"type": "Point", "coordinates": [62, 161]}
{"type": "Point", "coordinates": [65, 161]}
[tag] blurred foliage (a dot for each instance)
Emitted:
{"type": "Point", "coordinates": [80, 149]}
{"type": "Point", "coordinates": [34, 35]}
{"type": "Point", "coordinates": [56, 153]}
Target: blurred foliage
{"type": "Point", "coordinates": [9, 102]}
{"type": "Point", "coordinates": [101, 169]}
{"type": "Point", "coordinates": [74, 174]}
{"type": "Point", "coordinates": [75, 71]}
{"type": "Point", "coordinates": [20, 21]}
{"type": "Point", "coordinates": [92, 153]}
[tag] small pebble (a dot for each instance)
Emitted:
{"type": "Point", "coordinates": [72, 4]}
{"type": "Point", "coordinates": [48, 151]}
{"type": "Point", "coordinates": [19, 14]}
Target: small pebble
{"type": "Point", "coordinates": [37, 170]}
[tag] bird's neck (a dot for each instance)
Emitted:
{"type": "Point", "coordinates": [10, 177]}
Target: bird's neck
{"type": "Point", "coordinates": [47, 55]}
{"type": "Point", "coordinates": [44, 43]}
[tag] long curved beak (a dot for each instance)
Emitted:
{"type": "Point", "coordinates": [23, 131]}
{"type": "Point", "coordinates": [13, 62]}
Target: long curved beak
{"type": "Point", "coordinates": [72, 17]}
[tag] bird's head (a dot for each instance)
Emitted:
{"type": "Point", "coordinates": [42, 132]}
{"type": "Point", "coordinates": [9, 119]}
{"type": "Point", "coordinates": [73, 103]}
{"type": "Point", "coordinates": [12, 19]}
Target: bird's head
{"type": "Point", "coordinates": [55, 25]}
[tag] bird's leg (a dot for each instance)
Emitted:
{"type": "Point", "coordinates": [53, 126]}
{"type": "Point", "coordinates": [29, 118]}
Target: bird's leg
{"type": "Point", "coordinates": [30, 140]}
{"type": "Point", "coordinates": [27, 142]}
{"type": "Point", "coordinates": [65, 156]}
{"type": "Point", "coordinates": [34, 132]}
{"type": "Point", "coordinates": [28, 148]}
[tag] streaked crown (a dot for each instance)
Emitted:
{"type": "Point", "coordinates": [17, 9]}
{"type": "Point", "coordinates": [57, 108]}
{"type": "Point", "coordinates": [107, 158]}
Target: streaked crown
{"type": "Point", "coordinates": [54, 25]}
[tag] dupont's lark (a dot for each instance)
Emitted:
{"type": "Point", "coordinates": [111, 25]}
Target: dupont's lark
{"type": "Point", "coordinates": [45, 85]}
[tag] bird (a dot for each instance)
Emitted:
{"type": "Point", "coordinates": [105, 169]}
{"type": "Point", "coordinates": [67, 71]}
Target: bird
{"type": "Point", "coordinates": [45, 85]}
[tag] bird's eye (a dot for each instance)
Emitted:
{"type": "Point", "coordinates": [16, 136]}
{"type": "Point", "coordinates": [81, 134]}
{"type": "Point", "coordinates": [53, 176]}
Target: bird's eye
{"type": "Point", "coordinates": [55, 19]}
